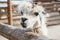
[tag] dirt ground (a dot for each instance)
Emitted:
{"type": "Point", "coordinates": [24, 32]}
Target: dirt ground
{"type": "Point", "coordinates": [2, 38]}
{"type": "Point", "coordinates": [54, 32]}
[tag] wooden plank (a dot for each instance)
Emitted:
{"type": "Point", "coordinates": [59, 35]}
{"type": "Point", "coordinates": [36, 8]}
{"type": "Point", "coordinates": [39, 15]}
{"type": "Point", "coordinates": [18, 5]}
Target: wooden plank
{"type": "Point", "coordinates": [9, 12]}
{"type": "Point", "coordinates": [51, 14]}
{"type": "Point", "coordinates": [13, 33]}
{"type": "Point", "coordinates": [3, 2]}
{"type": "Point", "coordinates": [42, 0]}
{"type": "Point", "coordinates": [3, 7]}
{"type": "Point", "coordinates": [54, 18]}
{"type": "Point", "coordinates": [1, 10]}
{"type": "Point", "coordinates": [53, 22]}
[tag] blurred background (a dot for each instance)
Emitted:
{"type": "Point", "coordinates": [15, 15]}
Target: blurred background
{"type": "Point", "coordinates": [52, 7]}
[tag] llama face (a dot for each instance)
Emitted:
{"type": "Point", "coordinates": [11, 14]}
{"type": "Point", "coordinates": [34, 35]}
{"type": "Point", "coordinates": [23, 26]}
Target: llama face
{"type": "Point", "coordinates": [31, 15]}
{"type": "Point", "coordinates": [29, 19]}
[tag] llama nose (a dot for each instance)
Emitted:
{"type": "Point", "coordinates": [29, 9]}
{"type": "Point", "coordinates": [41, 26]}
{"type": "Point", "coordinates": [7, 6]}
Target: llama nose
{"type": "Point", "coordinates": [36, 13]}
{"type": "Point", "coordinates": [24, 19]}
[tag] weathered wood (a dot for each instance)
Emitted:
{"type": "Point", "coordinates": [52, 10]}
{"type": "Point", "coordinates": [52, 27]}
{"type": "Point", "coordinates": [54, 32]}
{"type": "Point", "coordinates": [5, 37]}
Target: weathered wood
{"type": "Point", "coordinates": [43, 0]}
{"type": "Point", "coordinates": [3, 2]}
{"type": "Point", "coordinates": [13, 33]}
{"type": "Point", "coordinates": [9, 12]}
{"type": "Point", "coordinates": [1, 11]}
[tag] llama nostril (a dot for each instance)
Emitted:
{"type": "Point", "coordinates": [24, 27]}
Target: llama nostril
{"type": "Point", "coordinates": [24, 19]}
{"type": "Point", "coordinates": [23, 25]}
{"type": "Point", "coordinates": [36, 13]}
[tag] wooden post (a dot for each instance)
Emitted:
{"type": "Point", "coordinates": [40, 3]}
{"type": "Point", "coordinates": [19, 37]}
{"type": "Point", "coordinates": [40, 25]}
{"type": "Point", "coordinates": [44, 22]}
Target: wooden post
{"type": "Point", "coordinates": [9, 12]}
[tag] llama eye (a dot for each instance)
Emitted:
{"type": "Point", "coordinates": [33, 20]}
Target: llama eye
{"type": "Point", "coordinates": [44, 13]}
{"type": "Point", "coordinates": [36, 13]}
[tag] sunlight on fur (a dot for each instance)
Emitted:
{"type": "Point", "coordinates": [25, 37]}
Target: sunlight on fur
{"type": "Point", "coordinates": [33, 17]}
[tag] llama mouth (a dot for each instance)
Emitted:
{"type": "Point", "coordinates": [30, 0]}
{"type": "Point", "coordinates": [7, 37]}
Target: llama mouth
{"type": "Point", "coordinates": [24, 25]}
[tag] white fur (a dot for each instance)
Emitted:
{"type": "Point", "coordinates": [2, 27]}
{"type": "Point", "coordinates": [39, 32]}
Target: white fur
{"type": "Point", "coordinates": [42, 21]}
{"type": "Point", "coordinates": [26, 7]}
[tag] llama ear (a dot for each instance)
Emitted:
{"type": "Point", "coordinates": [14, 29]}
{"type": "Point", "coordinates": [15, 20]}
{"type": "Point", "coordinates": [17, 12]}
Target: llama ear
{"type": "Point", "coordinates": [36, 13]}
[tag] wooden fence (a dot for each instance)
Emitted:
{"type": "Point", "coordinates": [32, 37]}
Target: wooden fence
{"type": "Point", "coordinates": [8, 11]}
{"type": "Point", "coordinates": [51, 8]}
